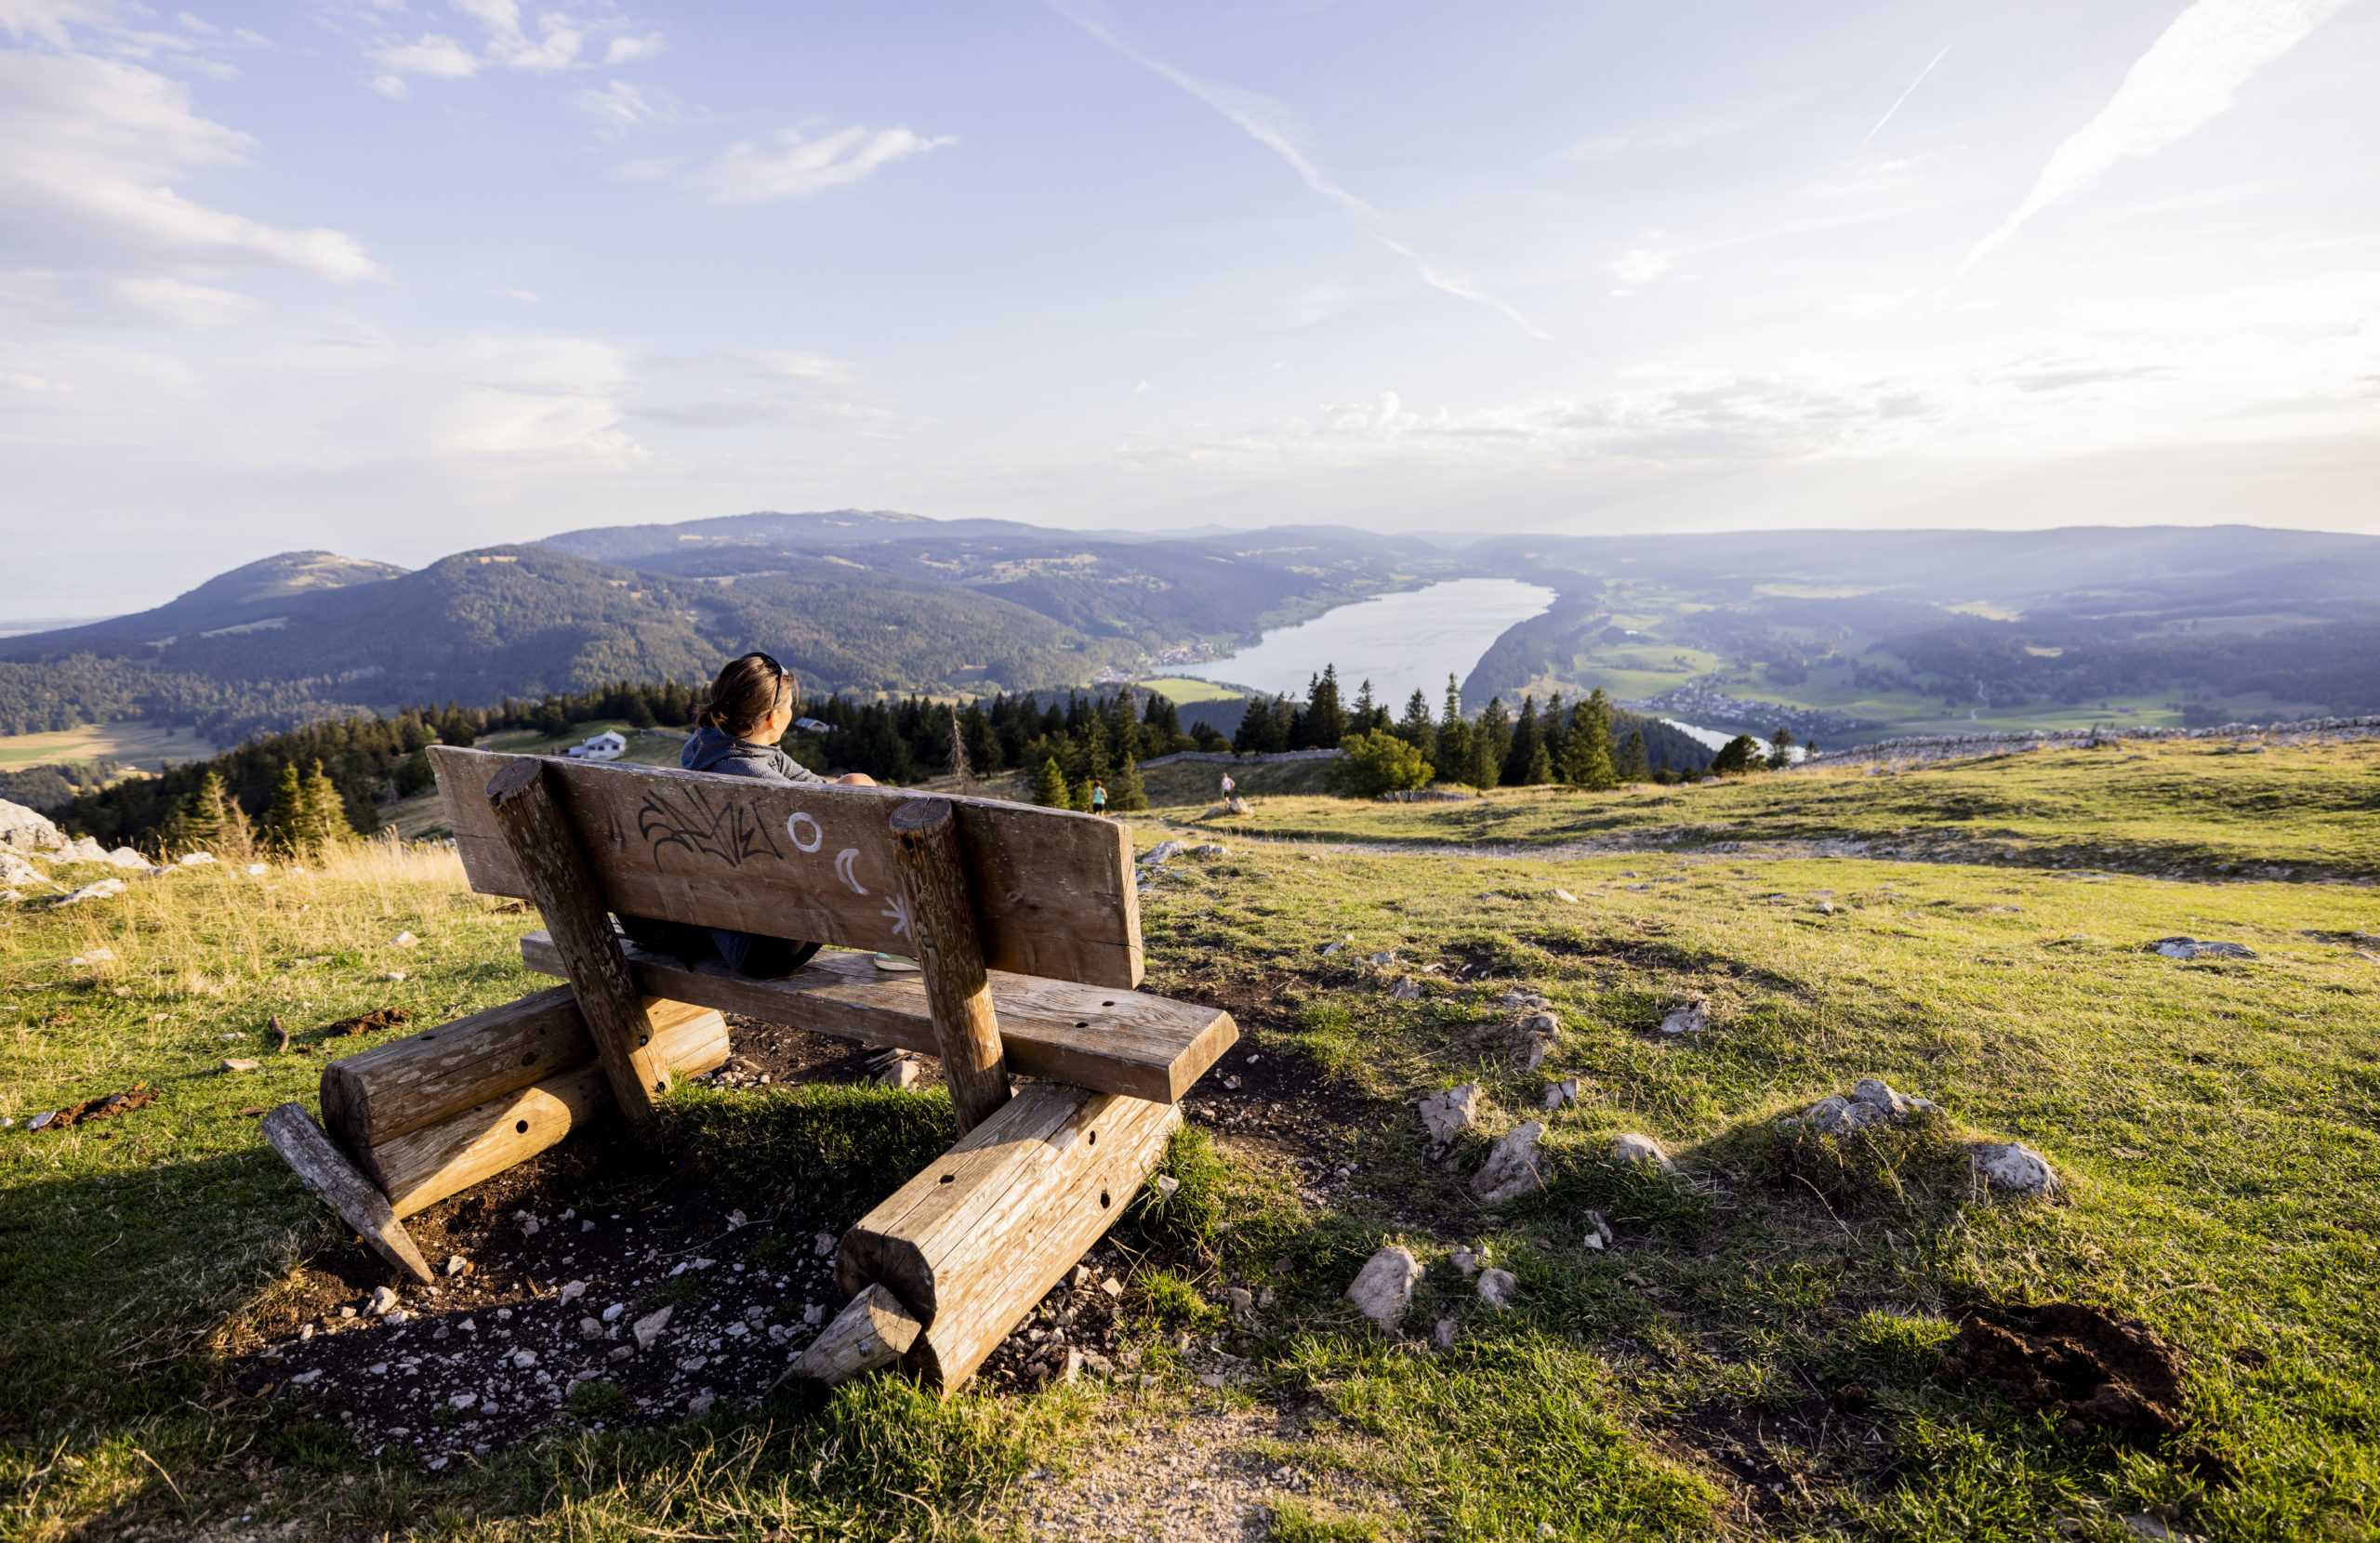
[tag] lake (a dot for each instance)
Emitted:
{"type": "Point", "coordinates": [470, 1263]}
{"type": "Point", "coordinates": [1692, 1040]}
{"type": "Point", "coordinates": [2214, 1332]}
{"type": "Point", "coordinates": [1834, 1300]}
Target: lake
{"type": "Point", "coordinates": [1400, 643]}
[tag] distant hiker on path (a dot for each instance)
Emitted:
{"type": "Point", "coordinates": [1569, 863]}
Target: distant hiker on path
{"type": "Point", "coordinates": [1228, 785]}
{"type": "Point", "coordinates": [1098, 796]}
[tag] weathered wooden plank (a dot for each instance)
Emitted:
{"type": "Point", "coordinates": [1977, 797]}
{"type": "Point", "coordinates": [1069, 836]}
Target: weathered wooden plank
{"type": "Point", "coordinates": [1054, 890]}
{"type": "Point", "coordinates": [555, 874]}
{"type": "Point", "coordinates": [424, 1165]}
{"type": "Point", "coordinates": [974, 1240]}
{"type": "Point", "coordinates": [400, 1086]}
{"type": "Point", "coordinates": [874, 1330]}
{"type": "Point", "coordinates": [958, 997]}
{"type": "Point", "coordinates": [325, 1170]}
{"type": "Point", "coordinates": [1113, 1041]}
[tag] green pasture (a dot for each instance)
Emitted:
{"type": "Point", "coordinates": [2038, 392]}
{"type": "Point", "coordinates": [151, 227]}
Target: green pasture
{"type": "Point", "coordinates": [2216, 1124]}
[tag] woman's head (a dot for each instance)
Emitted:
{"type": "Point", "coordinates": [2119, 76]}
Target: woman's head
{"type": "Point", "coordinates": [747, 691]}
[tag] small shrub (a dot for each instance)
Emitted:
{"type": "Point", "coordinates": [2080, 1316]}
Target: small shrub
{"type": "Point", "coordinates": [1373, 763]}
{"type": "Point", "coordinates": [599, 1399]}
{"type": "Point", "coordinates": [1169, 1300]}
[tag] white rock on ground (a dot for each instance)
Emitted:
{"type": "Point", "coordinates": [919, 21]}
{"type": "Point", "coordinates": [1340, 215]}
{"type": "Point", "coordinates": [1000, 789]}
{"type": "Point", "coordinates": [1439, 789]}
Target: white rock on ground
{"type": "Point", "coordinates": [1688, 1017]}
{"type": "Point", "coordinates": [1407, 989]}
{"type": "Point", "coordinates": [2191, 948]}
{"type": "Point", "coordinates": [1871, 1102]}
{"type": "Point", "coordinates": [1562, 1093]}
{"type": "Point", "coordinates": [1445, 1115]}
{"type": "Point", "coordinates": [1446, 1334]}
{"type": "Point", "coordinates": [1516, 1000]}
{"type": "Point", "coordinates": [1468, 1260]}
{"type": "Point", "coordinates": [383, 1299]}
{"type": "Point", "coordinates": [105, 889]}
{"type": "Point", "coordinates": [2014, 1169]}
{"type": "Point", "coordinates": [16, 870]}
{"type": "Point", "coordinates": [1383, 1288]}
{"type": "Point", "coordinates": [27, 830]}
{"type": "Point", "coordinates": [1635, 1147]}
{"type": "Point", "coordinates": [1495, 1288]}
{"type": "Point", "coordinates": [1511, 1169]}
{"type": "Point", "coordinates": [1598, 1229]}
{"type": "Point", "coordinates": [648, 1328]}
{"type": "Point", "coordinates": [1565, 897]}
{"type": "Point", "coordinates": [1162, 851]}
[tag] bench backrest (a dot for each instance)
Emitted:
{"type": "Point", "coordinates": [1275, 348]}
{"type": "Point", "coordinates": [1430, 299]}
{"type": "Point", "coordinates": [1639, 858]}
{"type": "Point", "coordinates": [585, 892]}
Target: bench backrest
{"type": "Point", "coordinates": [1054, 890]}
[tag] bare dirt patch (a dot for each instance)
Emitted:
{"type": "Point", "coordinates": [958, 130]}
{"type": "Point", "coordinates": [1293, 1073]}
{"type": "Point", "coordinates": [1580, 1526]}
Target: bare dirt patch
{"type": "Point", "coordinates": [2082, 1363]}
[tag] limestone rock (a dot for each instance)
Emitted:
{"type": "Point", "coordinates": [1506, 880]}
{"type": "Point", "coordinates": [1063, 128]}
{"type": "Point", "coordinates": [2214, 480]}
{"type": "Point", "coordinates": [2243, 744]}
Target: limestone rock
{"type": "Point", "coordinates": [1495, 1288]}
{"type": "Point", "coordinates": [1562, 1093]}
{"type": "Point", "coordinates": [26, 830]}
{"type": "Point", "coordinates": [1407, 989]}
{"type": "Point", "coordinates": [106, 889]}
{"type": "Point", "coordinates": [1162, 851]}
{"type": "Point", "coordinates": [1383, 1288]}
{"type": "Point", "coordinates": [2191, 948]}
{"type": "Point", "coordinates": [16, 870]}
{"type": "Point", "coordinates": [1468, 1260]}
{"type": "Point", "coordinates": [125, 857]}
{"type": "Point", "coordinates": [1444, 1334]}
{"type": "Point", "coordinates": [1871, 1103]}
{"type": "Point", "coordinates": [1636, 1148]}
{"type": "Point", "coordinates": [1237, 805]}
{"type": "Point", "coordinates": [1688, 1017]}
{"type": "Point", "coordinates": [1445, 1115]}
{"type": "Point", "coordinates": [1517, 1000]}
{"type": "Point", "coordinates": [1511, 1169]}
{"type": "Point", "coordinates": [2014, 1169]}
{"type": "Point", "coordinates": [383, 1299]}
{"type": "Point", "coordinates": [648, 1328]}
{"type": "Point", "coordinates": [1599, 1234]}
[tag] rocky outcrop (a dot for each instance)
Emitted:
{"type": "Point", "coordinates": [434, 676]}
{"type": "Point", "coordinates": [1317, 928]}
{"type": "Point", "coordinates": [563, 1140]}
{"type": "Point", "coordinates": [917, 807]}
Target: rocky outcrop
{"type": "Point", "coordinates": [24, 830]}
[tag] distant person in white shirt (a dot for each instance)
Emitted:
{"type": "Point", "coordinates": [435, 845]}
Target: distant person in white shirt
{"type": "Point", "coordinates": [1228, 785]}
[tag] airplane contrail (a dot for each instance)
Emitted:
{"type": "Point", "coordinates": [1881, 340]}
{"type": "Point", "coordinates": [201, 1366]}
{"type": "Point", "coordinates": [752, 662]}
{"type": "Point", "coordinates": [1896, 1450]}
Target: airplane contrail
{"type": "Point", "coordinates": [1912, 89]}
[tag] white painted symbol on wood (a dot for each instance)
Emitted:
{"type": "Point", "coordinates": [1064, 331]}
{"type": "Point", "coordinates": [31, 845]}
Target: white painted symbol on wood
{"type": "Point", "coordinates": [793, 823]}
{"type": "Point", "coordinates": [897, 910]}
{"type": "Point", "coordinates": [843, 861]}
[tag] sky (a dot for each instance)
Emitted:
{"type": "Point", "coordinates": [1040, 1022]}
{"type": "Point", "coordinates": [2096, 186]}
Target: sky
{"type": "Point", "coordinates": [397, 278]}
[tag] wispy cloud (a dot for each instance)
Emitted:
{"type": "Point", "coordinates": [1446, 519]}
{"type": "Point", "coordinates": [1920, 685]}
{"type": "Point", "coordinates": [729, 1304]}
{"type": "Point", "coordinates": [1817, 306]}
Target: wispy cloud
{"type": "Point", "coordinates": [796, 167]}
{"type": "Point", "coordinates": [2185, 79]}
{"type": "Point", "coordinates": [1273, 126]}
{"type": "Point", "coordinates": [1912, 91]}
{"type": "Point", "coordinates": [621, 106]}
{"type": "Point", "coordinates": [558, 40]}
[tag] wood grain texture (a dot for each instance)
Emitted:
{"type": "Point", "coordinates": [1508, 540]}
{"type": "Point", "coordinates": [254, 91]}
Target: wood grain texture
{"type": "Point", "coordinates": [556, 878]}
{"type": "Point", "coordinates": [324, 1169]}
{"type": "Point", "coordinates": [1111, 1041]}
{"type": "Point", "coordinates": [400, 1086]}
{"type": "Point", "coordinates": [874, 1330]}
{"type": "Point", "coordinates": [1054, 890]}
{"type": "Point", "coordinates": [973, 1241]}
{"type": "Point", "coordinates": [424, 1165]}
{"type": "Point", "coordinates": [959, 996]}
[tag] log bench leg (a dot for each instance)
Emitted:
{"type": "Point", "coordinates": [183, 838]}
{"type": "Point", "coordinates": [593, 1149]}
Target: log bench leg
{"type": "Point", "coordinates": [326, 1171]}
{"type": "Point", "coordinates": [971, 1242]}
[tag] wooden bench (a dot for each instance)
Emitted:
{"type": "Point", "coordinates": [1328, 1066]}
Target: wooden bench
{"type": "Point", "coordinates": [1025, 926]}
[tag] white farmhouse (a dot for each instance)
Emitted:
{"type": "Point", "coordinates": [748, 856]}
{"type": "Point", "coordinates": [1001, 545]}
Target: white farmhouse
{"type": "Point", "coordinates": [607, 746]}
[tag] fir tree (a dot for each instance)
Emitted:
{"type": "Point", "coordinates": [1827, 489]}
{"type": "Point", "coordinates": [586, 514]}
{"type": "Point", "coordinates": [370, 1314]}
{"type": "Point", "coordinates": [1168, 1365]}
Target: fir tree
{"type": "Point", "coordinates": [1554, 727]}
{"type": "Point", "coordinates": [1781, 745]}
{"type": "Point", "coordinates": [1540, 767]}
{"type": "Point", "coordinates": [1326, 720]}
{"type": "Point", "coordinates": [1491, 741]}
{"type": "Point", "coordinates": [1050, 788]}
{"type": "Point", "coordinates": [1587, 759]}
{"type": "Point", "coordinates": [1633, 767]}
{"type": "Point", "coordinates": [1529, 747]}
{"type": "Point", "coordinates": [203, 826]}
{"type": "Point", "coordinates": [286, 821]}
{"type": "Point", "coordinates": [1125, 789]}
{"type": "Point", "coordinates": [1416, 728]}
{"type": "Point", "coordinates": [1453, 759]}
{"type": "Point", "coordinates": [326, 812]}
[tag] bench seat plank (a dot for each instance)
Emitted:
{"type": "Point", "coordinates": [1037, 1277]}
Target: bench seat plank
{"type": "Point", "coordinates": [1104, 1039]}
{"type": "Point", "coordinates": [1052, 890]}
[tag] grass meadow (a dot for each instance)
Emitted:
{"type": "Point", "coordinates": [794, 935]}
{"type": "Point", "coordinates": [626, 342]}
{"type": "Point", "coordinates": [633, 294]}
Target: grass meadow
{"type": "Point", "coordinates": [2214, 1123]}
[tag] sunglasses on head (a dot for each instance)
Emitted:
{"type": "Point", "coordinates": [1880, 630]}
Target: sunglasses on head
{"type": "Point", "coordinates": [770, 663]}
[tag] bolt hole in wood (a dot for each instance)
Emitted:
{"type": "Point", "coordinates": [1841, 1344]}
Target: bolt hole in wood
{"type": "Point", "coordinates": [1104, 1200]}
{"type": "Point", "coordinates": [521, 1127]}
{"type": "Point", "coordinates": [950, 1178]}
{"type": "Point", "coordinates": [1091, 1138]}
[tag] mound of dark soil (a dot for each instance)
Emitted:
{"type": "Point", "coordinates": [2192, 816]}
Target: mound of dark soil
{"type": "Point", "coordinates": [2083, 1363]}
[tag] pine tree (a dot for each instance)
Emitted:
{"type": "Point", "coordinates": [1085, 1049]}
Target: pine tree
{"type": "Point", "coordinates": [1050, 788]}
{"type": "Point", "coordinates": [1540, 767]}
{"type": "Point", "coordinates": [207, 820]}
{"type": "Point", "coordinates": [1632, 765]}
{"type": "Point", "coordinates": [1554, 727]}
{"type": "Point", "coordinates": [1125, 789]}
{"type": "Point", "coordinates": [1587, 762]}
{"type": "Point", "coordinates": [1326, 720]}
{"type": "Point", "coordinates": [1453, 759]}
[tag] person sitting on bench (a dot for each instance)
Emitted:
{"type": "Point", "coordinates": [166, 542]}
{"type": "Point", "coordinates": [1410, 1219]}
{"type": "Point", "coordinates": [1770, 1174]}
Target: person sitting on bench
{"type": "Point", "coordinates": [751, 706]}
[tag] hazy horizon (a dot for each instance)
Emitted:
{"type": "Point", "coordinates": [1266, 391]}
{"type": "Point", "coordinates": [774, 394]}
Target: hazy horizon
{"type": "Point", "coordinates": [396, 281]}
